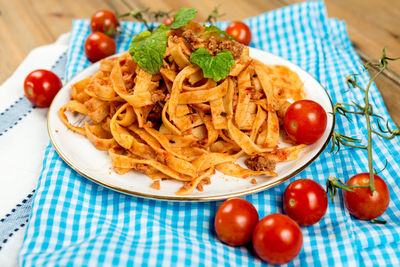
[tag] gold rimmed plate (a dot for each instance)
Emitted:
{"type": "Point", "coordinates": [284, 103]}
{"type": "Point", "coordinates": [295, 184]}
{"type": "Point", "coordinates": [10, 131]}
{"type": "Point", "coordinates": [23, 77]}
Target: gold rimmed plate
{"type": "Point", "coordinates": [83, 157]}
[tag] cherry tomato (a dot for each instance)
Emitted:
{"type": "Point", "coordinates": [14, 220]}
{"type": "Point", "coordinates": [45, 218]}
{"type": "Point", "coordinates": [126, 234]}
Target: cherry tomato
{"type": "Point", "coordinates": [305, 201]}
{"type": "Point", "coordinates": [98, 46]}
{"type": "Point", "coordinates": [168, 20]}
{"type": "Point", "coordinates": [235, 221]}
{"type": "Point", "coordinates": [305, 121]}
{"type": "Point", "coordinates": [41, 86]}
{"type": "Point", "coordinates": [362, 204]}
{"type": "Point", "coordinates": [240, 31]}
{"type": "Point", "coordinates": [277, 239]}
{"type": "Point", "coordinates": [104, 21]}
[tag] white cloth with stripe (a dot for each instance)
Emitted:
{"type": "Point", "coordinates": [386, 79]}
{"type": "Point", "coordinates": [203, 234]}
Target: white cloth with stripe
{"type": "Point", "coordinates": [22, 146]}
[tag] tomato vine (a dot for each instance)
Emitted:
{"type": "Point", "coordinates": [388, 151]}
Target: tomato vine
{"type": "Point", "coordinates": [346, 109]}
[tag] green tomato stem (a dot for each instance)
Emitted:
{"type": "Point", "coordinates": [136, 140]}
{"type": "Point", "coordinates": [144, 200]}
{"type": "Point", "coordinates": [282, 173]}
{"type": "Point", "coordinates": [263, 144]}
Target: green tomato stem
{"type": "Point", "coordinates": [367, 117]}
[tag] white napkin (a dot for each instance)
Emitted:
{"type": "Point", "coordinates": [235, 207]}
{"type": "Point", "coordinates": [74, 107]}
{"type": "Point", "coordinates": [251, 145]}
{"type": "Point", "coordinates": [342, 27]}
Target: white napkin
{"type": "Point", "coordinates": [22, 149]}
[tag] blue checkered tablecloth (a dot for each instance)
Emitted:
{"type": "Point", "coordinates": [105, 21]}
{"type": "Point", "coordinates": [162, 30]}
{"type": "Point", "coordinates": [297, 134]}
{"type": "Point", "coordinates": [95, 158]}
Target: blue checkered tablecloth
{"type": "Point", "coordinates": [75, 222]}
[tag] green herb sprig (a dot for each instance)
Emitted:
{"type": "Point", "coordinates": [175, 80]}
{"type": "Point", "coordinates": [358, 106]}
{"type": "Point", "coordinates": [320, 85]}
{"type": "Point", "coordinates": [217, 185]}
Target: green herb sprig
{"type": "Point", "coordinates": [217, 31]}
{"type": "Point", "coordinates": [182, 18]}
{"type": "Point", "coordinates": [366, 110]}
{"type": "Point", "coordinates": [143, 16]}
{"type": "Point", "coordinates": [214, 15]}
{"type": "Point", "coordinates": [146, 15]}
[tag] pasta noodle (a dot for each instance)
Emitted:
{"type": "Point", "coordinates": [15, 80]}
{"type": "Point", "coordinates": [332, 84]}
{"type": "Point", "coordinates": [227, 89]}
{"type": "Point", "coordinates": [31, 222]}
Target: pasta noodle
{"type": "Point", "coordinates": [180, 125]}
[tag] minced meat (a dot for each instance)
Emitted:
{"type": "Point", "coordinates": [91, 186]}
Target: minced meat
{"type": "Point", "coordinates": [213, 44]}
{"type": "Point", "coordinates": [260, 163]}
{"type": "Point", "coordinates": [233, 46]}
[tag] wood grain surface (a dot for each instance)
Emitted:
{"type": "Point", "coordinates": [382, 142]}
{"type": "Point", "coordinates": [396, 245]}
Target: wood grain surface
{"type": "Point", "coordinates": [371, 24]}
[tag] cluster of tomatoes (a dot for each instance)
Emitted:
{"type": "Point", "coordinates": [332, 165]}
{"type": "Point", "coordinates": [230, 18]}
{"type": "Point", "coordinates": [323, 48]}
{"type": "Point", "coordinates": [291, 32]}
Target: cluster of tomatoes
{"type": "Point", "coordinates": [99, 44]}
{"type": "Point", "coordinates": [41, 86]}
{"type": "Point", "coordinates": [277, 238]}
{"type": "Point", "coordinates": [305, 122]}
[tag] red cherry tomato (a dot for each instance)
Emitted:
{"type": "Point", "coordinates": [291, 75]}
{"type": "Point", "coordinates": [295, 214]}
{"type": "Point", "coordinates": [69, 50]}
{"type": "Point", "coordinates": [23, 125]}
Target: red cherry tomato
{"type": "Point", "coordinates": [98, 46]}
{"type": "Point", "coordinates": [104, 21]}
{"type": "Point", "coordinates": [235, 221]}
{"type": "Point", "coordinates": [305, 201]}
{"type": "Point", "coordinates": [41, 86]}
{"type": "Point", "coordinates": [168, 20]}
{"type": "Point", "coordinates": [362, 204]}
{"type": "Point", "coordinates": [240, 31]}
{"type": "Point", "coordinates": [277, 239]}
{"type": "Point", "coordinates": [305, 121]}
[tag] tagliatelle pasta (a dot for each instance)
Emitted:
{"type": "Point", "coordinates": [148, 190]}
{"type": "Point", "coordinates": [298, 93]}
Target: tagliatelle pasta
{"type": "Point", "coordinates": [180, 125]}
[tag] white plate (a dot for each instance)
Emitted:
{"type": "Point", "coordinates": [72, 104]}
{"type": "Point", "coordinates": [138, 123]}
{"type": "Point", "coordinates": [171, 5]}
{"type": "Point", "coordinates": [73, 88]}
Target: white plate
{"type": "Point", "coordinates": [82, 156]}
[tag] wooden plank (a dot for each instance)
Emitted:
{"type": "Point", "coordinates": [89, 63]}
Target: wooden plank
{"type": "Point", "coordinates": [391, 96]}
{"type": "Point", "coordinates": [372, 25]}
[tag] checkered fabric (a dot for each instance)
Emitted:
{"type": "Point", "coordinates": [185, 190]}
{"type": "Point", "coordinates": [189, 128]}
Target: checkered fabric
{"type": "Point", "coordinates": [75, 222]}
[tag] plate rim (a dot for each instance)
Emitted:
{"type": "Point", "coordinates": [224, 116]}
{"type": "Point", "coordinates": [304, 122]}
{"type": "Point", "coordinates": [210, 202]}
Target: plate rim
{"type": "Point", "coordinates": [248, 191]}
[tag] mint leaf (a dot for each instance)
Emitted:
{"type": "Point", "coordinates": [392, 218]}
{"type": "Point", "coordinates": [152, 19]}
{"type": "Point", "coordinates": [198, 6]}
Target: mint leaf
{"type": "Point", "coordinates": [182, 17]}
{"type": "Point", "coordinates": [216, 67]}
{"type": "Point", "coordinates": [147, 49]}
{"type": "Point", "coordinates": [218, 31]}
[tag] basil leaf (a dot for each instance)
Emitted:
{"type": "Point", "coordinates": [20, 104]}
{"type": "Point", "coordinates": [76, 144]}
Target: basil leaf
{"type": "Point", "coordinates": [216, 67]}
{"type": "Point", "coordinates": [182, 17]}
{"type": "Point", "coordinates": [147, 49]}
{"type": "Point", "coordinates": [218, 31]}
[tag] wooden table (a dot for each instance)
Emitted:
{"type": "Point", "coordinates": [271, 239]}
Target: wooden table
{"type": "Point", "coordinates": [372, 25]}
